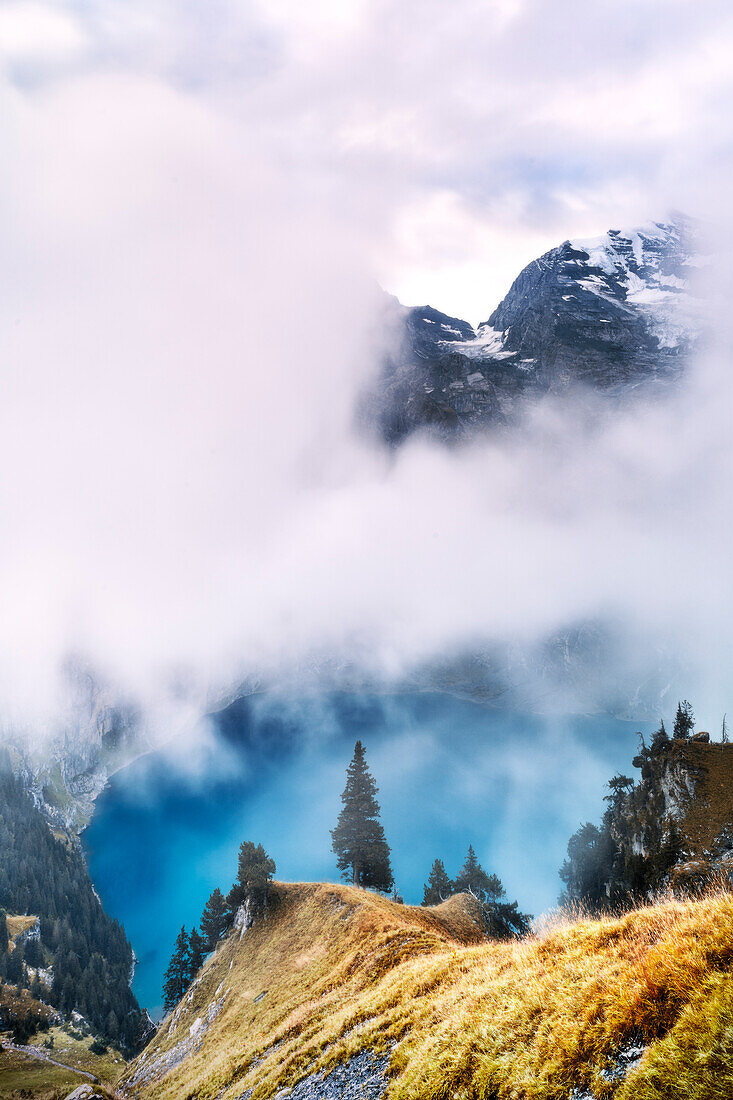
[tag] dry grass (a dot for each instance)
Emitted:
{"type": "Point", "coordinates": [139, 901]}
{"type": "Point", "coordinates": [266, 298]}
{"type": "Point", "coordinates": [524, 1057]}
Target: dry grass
{"type": "Point", "coordinates": [16, 925]}
{"type": "Point", "coordinates": [346, 971]}
{"type": "Point", "coordinates": [712, 807]}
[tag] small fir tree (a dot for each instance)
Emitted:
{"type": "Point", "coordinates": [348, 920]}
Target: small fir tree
{"type": "Point", "coordinates": [214, 919]}
{"type": "Point", "coordinates": [684, 721]}
{"type": "Point", "coordinates": [502, 918]}
{"type": "Point", "coordinates": [439, 886]}
{"type": "Point", "coordinates": [358, 839]}
{"type": "Point", "coordinates": [177, 976]}
{"type": "Point", "coordinates": [196, 951]}
{"type": "Point", "coordinates": [254, 879]}
{"type": "Point", "coordinates": [724, 731]}
{"type": "Point", "coordinates": [660, 739]}
{"type": "Point", "coordinates": [472, 879]}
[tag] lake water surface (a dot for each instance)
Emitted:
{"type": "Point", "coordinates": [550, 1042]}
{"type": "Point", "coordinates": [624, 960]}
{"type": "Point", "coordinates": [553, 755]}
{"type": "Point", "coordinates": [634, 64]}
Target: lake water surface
{"type": "Point", "coordinates": [450, 772]}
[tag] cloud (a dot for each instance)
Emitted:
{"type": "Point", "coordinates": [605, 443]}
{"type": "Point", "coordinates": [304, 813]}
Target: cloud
{"type": "Point", "coordinates": [37, 33]}
{"type": "Point", "coordinates": [196, 209]}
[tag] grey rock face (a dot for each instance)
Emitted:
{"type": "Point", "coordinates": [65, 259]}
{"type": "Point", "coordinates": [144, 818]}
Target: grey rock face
{"type": "Point", "coordinates": [608, 314]}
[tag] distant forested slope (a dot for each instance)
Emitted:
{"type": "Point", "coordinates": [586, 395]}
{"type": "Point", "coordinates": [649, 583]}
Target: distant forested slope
{"type": "Point", "coordinates": [82, 961]}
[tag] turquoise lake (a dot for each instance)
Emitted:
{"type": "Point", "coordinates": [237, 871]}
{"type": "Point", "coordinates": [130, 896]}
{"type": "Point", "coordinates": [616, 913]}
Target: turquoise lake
{"type": "Point", "coordinates": [271, 769]}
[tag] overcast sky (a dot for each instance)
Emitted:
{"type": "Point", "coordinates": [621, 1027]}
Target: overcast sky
{"type": "Point", "coordinates": [461, 139]}
{"type": "Point", "coordinates": [198, 202]}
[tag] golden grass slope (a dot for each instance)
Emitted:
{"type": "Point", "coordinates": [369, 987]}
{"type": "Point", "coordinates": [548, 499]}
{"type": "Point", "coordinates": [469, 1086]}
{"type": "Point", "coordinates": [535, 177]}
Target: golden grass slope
{"type": "Point", "coordinates": [333, 971]}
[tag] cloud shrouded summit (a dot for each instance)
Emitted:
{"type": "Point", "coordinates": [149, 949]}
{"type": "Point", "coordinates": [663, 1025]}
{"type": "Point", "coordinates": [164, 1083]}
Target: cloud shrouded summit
{"type": "Point", "coordinates": [196, 209]}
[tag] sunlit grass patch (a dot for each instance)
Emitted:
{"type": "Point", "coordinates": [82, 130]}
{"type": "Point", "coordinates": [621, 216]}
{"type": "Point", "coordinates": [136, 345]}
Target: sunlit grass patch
{"type": "Point", "coordinates": [346, 971]}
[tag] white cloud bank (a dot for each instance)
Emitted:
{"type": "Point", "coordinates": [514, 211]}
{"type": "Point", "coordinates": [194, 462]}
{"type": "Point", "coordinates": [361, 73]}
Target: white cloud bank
{"type": "Point", "coordinates": [196, 203]}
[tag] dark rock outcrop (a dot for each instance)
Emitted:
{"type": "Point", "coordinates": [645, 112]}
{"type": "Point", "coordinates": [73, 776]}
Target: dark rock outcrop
{"type": "Point", "coordinates": [607, 314]}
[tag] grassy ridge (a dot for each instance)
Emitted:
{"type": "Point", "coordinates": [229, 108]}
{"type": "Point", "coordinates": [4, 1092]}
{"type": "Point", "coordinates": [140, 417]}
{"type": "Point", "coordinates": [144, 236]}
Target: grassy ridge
{"type": "Point", "coordinates": [333, 971]}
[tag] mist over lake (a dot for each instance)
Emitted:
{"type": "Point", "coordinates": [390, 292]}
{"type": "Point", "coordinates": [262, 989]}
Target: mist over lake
{"type": "Point", "coordinates": [450, 772]}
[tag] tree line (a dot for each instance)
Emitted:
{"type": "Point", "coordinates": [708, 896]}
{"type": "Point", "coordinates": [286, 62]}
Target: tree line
{"type": "Point", "coordinates": [364, 858]}
{"type": "Point", "coordinates": [502, 918]}
{"type": "Point", "coordinates": [85, 953]}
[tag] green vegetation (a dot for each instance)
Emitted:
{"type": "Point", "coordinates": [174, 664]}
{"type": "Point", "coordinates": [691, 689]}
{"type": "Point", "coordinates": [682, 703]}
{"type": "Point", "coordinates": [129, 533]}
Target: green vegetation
{"type": "Point", "coordinates": [640, 844]}
{"type": "Point", "coordinates": [22, 1014]}
{"type": "Point", "coordinates": [684, 722]}
{"type": "Point", "coordinates": [22, 1076]}
{"type": "Point", "coordinates": [178, 975]}
{"type": "Point", "coordinates": [332, 970]}
{"type": "Point", "coordinates": [86, 951]}
{"type": "Point", "coordinates": [438, 887]}
{"type": "Point", "coordinates": [197, 950]}
{"type": "Point", "coordinates": [501, 918]}
{"type": "Point", "coordinates": [255, 870]}
{"type": "Point", "coordinates": [358, 839]}
{"type": "Point", "coordinates": [214, 919]}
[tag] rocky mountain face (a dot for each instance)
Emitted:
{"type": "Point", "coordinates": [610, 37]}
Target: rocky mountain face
{"type": "Point", "coordinates": [608, 313]}
{"type": "Point", "coordinates": [65, 770]}
{"type": "Point", "coordinates": [671, 829]}
{"type": "Point", "coordinates": [686, 791]}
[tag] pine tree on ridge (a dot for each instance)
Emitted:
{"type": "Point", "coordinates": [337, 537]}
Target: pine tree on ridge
{"type": "Point", "coordinates": [439, 886]}
{"type": "Point", "coordinates": [684, 722]}
{"type": "Point", "coordinates": [358, 839]}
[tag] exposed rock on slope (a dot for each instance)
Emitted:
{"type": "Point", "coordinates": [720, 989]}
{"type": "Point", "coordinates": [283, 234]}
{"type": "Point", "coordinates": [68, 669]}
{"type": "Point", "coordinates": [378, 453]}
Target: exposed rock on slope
{"type": "Point", "coordinates": [607, 313]}
{"type": "Point", "coordinates": [338, 989]}
{"type": "Point", "coordinates": [65, 770]}
{"type": "Point", "coordinates": [687, 787]}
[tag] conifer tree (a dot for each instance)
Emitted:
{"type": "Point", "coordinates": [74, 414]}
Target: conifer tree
{"type": "Point", "coordinates": [196, 950]}
{"type": "Point", "coordinates": [254, 879]}
{"type": "Point", "coordinates": [684, 721]}
{"type": "Point", "coordinates": [177, 975]}
{"type": "Point", "coordinates": [439, 886]}
{"type": "Point", "coordinates": [501, 918]}
{"type": "Point", "coordinates": [472, 879]}
{"type": "Point", "coordinates": [660, 738]}
{"type": "Point", "coordinates": [14, 970]}
{"type": "Point", "coordinates": [358, 839]}
{"type": "Point", "coordinates": [4, 938]}
{"type": "Point", "coordinates": [214, 919]}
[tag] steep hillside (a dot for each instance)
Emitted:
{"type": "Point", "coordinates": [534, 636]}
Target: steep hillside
{"type": "Point", "coordinates": [65, 771]}
{"type": "Point", "coordinates": [377, 996]}
{"type": "Point", "coordinates": [607, 313]}
{"type": "Point", "coordinates": [63, 948]}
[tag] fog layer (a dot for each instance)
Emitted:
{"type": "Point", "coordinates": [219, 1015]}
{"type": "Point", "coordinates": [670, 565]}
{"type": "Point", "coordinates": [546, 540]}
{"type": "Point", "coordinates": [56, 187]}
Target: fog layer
{"type": "Point", "coordinates": [196, 215]}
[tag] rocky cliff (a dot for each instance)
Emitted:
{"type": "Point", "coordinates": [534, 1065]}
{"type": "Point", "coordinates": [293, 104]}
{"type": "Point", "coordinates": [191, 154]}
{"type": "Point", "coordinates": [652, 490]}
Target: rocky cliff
{"type": "Point", "coordinates": [609, 313]}
{"type": "Point", "coordinates": [686, 795]}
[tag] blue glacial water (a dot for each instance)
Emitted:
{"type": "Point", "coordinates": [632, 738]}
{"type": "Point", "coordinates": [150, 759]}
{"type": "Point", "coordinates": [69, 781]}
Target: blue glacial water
{"type": "Point", "coordinates": [271, 769]}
